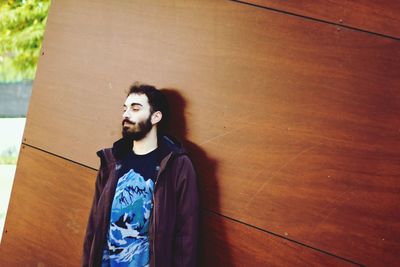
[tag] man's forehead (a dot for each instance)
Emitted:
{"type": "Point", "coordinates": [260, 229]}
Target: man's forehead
{"type": "Point", "coordinates": [137, 98]}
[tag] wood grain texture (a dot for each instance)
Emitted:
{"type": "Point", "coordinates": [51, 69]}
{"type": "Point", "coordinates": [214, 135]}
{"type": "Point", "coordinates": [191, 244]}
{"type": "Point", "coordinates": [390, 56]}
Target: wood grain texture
{"type": "Point", "coordinates": [374, 16]}
{"type": "Point", "coordinates": [228, 243]}
{"type": "Point", "coordinates": [293, 124]}
{"type": "Point", "coordinates": [48, 211]}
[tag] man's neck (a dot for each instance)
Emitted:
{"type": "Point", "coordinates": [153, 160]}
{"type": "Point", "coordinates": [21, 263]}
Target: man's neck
{"type": "Point", "coordinates": [147, 144]}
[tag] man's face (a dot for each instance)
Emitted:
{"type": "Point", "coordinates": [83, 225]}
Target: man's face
{"type": "Point", "coordinates": [136, 123]}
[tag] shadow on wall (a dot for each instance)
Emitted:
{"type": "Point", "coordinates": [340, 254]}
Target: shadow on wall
{"type": "Point", "coordinates": [213, 244]}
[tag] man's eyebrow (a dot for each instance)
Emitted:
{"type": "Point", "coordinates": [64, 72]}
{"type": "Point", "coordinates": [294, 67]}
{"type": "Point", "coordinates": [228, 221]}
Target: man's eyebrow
{"type": "Point", "coordinates": [135, 104]}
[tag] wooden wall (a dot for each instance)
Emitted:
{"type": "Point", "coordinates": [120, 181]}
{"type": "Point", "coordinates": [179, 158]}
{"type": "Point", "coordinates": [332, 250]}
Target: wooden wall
{"type": "Point", "coordinates": [290, 109]}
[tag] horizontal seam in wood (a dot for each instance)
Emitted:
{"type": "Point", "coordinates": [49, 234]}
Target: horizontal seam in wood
{"type": "Point", "coordinates": [284, 237]}
{"type": "Point", "coordinates": [216, 213]}
{"type": "Point", "coordinates": [58, 156]}
{"type": "Point", "coordinates": [318, 20]}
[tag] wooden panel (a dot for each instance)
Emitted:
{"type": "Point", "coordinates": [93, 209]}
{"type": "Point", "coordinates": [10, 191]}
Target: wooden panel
{"type": "Point", "coordinates": [49, 208]}
{"type": "Point", "coordinates": [329, 197]}
{"type": "Point", "coordinates": [374, 16]}
{"type": "Point", "coordinates": [227, 243]}
{"type": "Point", "coordinates": [48, 211]}
{"type": "Point", "coordinates": [294, 119]}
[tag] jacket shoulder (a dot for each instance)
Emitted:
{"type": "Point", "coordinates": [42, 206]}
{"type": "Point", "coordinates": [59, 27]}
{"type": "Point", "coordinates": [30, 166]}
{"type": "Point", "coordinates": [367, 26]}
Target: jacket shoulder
{"type": "Point", "coordinates": [106, 156]}
{"type": "Point", "coordinates": [183, 164]}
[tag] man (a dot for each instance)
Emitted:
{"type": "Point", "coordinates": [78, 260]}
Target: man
{"type": "Point", "coordinates": [145, 206]}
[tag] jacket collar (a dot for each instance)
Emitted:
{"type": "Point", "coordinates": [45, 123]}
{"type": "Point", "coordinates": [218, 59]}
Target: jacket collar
{"type": "Point", "coordinates": [166, 143]}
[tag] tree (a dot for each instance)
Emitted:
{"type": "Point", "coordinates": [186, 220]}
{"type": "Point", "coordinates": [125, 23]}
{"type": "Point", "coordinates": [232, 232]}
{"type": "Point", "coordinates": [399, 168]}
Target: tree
{"type": "Point", "coordinates": [22, 24]}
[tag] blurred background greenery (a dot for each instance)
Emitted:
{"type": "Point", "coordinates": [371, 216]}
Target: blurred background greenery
{"type": "Point", "coordinates": [22, 26]}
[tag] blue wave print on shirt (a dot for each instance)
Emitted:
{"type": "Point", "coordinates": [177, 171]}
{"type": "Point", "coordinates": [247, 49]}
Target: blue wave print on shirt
{"type": "Point", "coordinates": [127, 239]}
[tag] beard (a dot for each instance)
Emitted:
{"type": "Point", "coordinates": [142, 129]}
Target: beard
{"type": "Point", "coordinates": [136, 131]}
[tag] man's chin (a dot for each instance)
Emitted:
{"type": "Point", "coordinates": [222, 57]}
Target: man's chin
{"type": "Point", "coordinates": [126, 134]}
{"type": "Point", "coordinates": [133, 136]}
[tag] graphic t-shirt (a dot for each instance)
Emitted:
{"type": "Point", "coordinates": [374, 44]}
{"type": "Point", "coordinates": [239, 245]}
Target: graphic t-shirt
{"type": "Point", "coordinates": [127, 242]}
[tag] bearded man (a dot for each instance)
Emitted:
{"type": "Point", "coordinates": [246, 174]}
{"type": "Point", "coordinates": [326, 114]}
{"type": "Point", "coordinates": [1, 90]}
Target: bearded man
{"type": "Point", "coordinates": [145, 206]}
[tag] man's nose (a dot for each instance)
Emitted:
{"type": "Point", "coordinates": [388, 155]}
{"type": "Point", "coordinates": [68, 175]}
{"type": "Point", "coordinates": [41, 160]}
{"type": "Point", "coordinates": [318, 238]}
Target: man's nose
{"type": "Point", "coordinates": [125, 115]}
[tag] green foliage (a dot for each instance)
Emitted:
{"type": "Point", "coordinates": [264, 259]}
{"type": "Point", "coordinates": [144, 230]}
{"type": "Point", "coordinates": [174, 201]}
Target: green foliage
{"type": "Point", "coordinates": [8, 160]}
{"type": "Point", "coordinates": [22, 24]}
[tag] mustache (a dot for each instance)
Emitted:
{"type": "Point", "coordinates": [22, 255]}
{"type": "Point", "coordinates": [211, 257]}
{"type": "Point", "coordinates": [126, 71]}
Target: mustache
{"type": "Point", "coordinates": [128, 122]}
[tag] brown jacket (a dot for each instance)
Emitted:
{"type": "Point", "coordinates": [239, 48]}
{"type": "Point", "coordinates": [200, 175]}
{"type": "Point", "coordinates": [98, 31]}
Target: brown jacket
{"type": "Point", "coordinates": [174, 220]}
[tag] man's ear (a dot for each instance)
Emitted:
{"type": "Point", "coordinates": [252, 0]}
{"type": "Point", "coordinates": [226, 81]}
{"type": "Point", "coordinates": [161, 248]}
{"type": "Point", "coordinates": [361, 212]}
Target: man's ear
{"type": "Point", "coordinates": [156, 117]}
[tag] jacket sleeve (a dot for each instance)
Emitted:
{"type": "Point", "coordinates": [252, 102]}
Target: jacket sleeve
{"type": "Point", "coordinates": [90, 228]}
{"type": "Point", "coordinates": [185, 242]}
